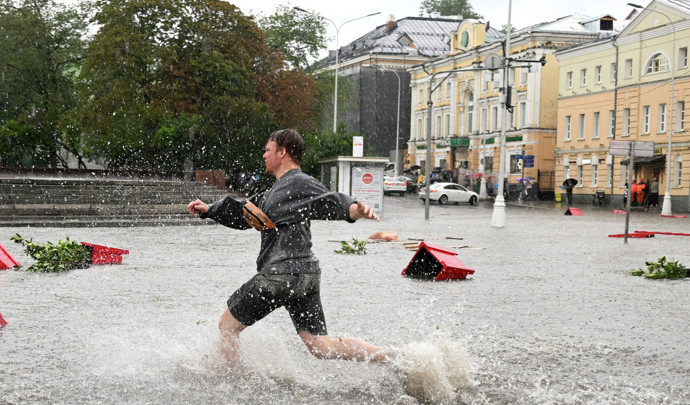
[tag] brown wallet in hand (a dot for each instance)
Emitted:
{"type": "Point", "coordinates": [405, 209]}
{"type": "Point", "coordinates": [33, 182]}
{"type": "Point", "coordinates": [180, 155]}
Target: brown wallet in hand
{"type": "Point", "coordinates": [257, 218]}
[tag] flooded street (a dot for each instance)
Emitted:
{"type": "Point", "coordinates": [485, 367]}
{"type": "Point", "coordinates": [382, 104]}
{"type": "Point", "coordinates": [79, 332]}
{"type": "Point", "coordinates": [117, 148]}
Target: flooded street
{"type": "Point", "coordinates": [551, 315]}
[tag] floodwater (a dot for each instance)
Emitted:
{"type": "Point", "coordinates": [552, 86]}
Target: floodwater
{"type": "Point", "coordinates": [551, 316]}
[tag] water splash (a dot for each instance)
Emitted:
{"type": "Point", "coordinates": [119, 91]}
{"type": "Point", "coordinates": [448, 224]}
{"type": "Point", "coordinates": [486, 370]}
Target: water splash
{"type": "Point", "coordinates": [434, 370]}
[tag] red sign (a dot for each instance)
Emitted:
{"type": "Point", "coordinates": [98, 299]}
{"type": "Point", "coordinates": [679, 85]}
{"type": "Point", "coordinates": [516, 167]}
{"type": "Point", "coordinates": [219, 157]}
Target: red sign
{"type": "Point", "coordinates": [367, 178]}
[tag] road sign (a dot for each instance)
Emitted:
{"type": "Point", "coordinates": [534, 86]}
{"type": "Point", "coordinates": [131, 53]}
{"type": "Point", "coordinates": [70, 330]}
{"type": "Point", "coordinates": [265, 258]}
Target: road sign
{"type": "Point", "coordinates": [529, 161]}
{"type": "Point", "coordinates": [623, 148]}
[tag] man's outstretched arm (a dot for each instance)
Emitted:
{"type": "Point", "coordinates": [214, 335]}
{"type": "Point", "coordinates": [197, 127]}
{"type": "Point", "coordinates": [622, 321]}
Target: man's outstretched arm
{"type": "Point", "coordinates": [360, 210]}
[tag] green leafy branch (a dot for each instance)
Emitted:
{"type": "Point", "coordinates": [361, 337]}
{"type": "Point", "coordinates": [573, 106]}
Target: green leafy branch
{"type": "Point", "coordinates": [359, 247]}
{"type": "Point", "coordinates": [663, 269]}
{"type": "Point", "coordinates": [51, 258]}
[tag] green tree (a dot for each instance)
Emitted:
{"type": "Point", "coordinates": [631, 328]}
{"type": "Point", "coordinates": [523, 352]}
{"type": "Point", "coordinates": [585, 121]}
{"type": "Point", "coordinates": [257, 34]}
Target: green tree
{"type": "Point", "coordinates": [169, 83]}
{"type": "Point", "coordinates": [298, 35]}
{"type": "Point", "coordinates": [450, 7]}
{"type": "Point", "coordinates": [41, 46]}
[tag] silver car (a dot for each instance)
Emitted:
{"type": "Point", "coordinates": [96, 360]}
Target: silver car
{"type": "Point", "coordinates": [449, 192]}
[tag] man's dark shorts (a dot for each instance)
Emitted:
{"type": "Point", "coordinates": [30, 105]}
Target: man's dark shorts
{"type": "Point", "coordinates": [298, 293]}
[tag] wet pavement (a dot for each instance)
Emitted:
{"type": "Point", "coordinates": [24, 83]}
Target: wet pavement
{"type": "Point", "coordinates": [551, 315]}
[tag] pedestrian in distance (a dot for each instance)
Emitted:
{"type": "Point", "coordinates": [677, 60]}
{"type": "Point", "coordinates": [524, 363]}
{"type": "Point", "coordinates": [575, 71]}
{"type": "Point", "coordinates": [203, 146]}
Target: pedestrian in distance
{"type": "Point", "coordinates": [625, 197]}
{"type": "Point", "coordinates": [654, 193]}
{"type": "Point", "coordinates": [288, 273]}
{"type": "Point", "coordinates": [569, 184]}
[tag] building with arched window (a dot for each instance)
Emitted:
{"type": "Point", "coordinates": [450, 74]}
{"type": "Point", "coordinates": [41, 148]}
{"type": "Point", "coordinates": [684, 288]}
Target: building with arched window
{"type": "Point", "coordinates": [633, 103]}
{"type": "Point", "coordinates": [466, 116]}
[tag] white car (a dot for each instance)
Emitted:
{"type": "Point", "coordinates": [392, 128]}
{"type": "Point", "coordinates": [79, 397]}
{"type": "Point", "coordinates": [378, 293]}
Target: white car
{"type": "Point", "coordinates": [394, 185]}
{"type": "Point", "coordinates": [449, 192]}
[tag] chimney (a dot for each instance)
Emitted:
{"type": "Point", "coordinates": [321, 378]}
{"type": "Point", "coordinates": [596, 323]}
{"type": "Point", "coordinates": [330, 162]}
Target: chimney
{"type": "Point", "coordinates": [391, 24]}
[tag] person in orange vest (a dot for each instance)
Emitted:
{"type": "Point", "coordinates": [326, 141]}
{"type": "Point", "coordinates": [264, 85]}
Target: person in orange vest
{"type": "Point", "coordinates": [641, 189]}
{"type": "Point", "coordinates": [633, 193]}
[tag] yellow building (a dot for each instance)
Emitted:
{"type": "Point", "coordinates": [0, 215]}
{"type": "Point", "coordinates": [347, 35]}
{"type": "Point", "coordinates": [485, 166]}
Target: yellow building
{"type": "Point", "coordinates": [620, 88]}
{"type": "Point", "coordinates": [467, 107]}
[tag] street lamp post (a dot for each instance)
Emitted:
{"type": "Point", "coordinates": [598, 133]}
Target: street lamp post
{"type": "Point", "coordinates": [498, 218]}
{"type": "Point", "coordinates": [398, 163]}
{"type": "Point", "coordinates": [337, 54]}
{"type": "Point", "coordinates": [666, 206]}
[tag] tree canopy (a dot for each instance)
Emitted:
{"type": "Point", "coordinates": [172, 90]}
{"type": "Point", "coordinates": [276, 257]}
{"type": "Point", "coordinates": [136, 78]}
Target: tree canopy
{"type": "Point", "coordinates": [450, 7]}
{"type": "Point", "coordinates": [41, 46]}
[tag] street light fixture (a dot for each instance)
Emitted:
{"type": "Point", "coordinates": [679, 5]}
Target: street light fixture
{"type": "Point", "coordinates": [666, 206]}
{"type": "Point", "coordinates": [337, 53]}
{"type": "Point", "coordinates": [498, 218]}
{"type": "Point", "coordinates": [398, 163]}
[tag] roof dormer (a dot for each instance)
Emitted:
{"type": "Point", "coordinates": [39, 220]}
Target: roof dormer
{"type": "Point", "coordinates": [470, 34]}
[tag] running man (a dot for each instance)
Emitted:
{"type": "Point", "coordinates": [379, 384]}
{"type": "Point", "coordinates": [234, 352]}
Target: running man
{"type": "Point", "coordinates": [288, 272]}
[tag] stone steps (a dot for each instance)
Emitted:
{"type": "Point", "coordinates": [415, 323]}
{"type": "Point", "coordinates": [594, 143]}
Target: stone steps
{"type": "Point", "coordinates": [42, 202]}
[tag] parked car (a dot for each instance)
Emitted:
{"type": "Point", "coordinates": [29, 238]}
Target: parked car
{"type": "Point", "coordinates": [394, 185]}
{"type": "Point", "coordinates": [411, 184]}
{"type": "Point", "coordinates": [449, 192]}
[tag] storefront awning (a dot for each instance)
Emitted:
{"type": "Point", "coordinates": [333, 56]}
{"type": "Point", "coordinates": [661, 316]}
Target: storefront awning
{"type": "Point", "coordinates": [646, 160]}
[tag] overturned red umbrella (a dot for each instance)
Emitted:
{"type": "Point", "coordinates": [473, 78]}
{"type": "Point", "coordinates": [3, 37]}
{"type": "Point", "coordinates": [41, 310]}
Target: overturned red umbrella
{"type": "Point", "coordinates": [105, 255]}
{"type": "Point", "coordinates": [3, 322]}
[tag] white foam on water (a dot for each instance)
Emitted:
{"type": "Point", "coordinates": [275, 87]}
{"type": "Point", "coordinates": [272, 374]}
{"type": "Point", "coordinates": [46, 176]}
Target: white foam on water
{"type": "Point", "coordinates": [434, 370]}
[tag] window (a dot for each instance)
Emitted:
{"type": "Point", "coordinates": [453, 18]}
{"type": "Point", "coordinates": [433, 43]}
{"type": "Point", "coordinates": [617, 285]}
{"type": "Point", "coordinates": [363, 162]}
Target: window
{"type": "Point", "coordinates": [581, 133]}
{"type": "Point", "coordinates": [682, 57]}
{"type": "Point", "coordinates": [438, 127]}
{"type": "Point", "coordinates": [420, 95]}
{"type": "Point", "coordinates": [614, 72]}
{"type": "Point", "coordinates": [680, 116]}
{"type": "Point", "coordinates": [523, 76]}
{"type": "Point", "coordinates": [595, 173]}
{"type": "Point", "coordinates": [583, 77]}
{"type": "Point", "coordinates": [677, 171]}
{"type": "Point", "coordinates": [658, 63]}
{"type": "Point", "coordinates": [489, 163]}
{"type": "Point", "coordinates": [448, 89]}
{"type": "Point", "coordinates": [483, 120]}
{"type": "Point", "coordinates": [515, 164]}
{"type": "Point", "coordinates": [566, 168]}
{"type": "Point", "coordinates": [662, 117]}
{"type": "Point", "coordinates": [439, 93]}
{"type": "Point", "coordinates": [612, 123]}
{"type": "Point", "coordinates": [522, 111]}
{"type": "Point", "coordinates": [447, 125]}
{"type": "Point", "coordinates": [469, 99]}
{"type": "Point", "coordinates": [608, 175]}
{"type": "Point", "coordinates": [595, 125]}
{"type": "Point", "coordinates": [626, 122]}
{"type": "Point", "coordinates": [567, 127]}
{"type": "Point", "coordinates": [494, 118]}
{"type": "Point", "coordinates": [579, 174]}
{"type": "Point", "coordinates": [569, 80]}
{"type": "Point", "coordinates": [597, 74]}
{"type": "Point", "coordinates": [645, 119]}
{"type": "Point", "coordinates": [486, 77]}
{"type": "Point", "coordinates": [624, 176]}
{"type": "Point", "coordinates": [419, 128]}
{"type": "Point", "coordinates": [628, 68]}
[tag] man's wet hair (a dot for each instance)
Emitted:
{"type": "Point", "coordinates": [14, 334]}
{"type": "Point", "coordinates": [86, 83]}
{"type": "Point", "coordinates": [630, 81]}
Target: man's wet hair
{"type": "Point", "coordinates": [292, 141]}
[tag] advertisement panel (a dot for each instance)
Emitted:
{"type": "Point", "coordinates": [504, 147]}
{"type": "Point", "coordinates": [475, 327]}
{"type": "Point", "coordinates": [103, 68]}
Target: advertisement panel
{"type": "Point", "coordinates": [367, 186]}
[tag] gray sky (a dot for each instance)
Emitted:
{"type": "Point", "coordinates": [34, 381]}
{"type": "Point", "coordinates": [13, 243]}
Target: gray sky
{"type": "Point", "coordinates": [524, 12]}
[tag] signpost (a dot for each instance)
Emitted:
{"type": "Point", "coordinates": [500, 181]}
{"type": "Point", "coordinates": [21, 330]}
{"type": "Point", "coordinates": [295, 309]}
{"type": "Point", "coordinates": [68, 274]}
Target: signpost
{"type": "Point", "coordinates": [632, 149]}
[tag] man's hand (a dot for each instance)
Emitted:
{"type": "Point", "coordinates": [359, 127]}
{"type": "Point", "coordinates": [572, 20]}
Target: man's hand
{"type": "Point", "coordinates": [197, 207]}
{"type": "Point", "coordinates": [361, 210]}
